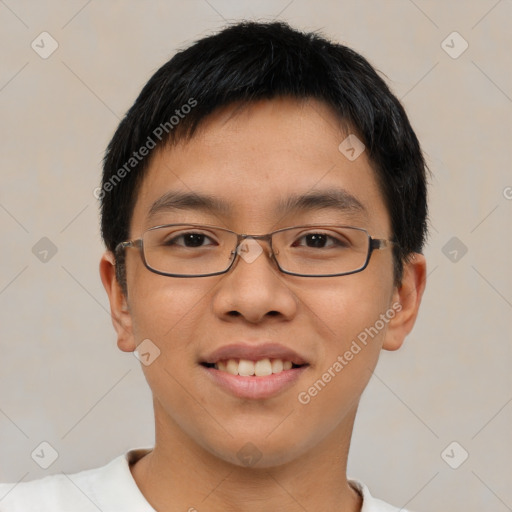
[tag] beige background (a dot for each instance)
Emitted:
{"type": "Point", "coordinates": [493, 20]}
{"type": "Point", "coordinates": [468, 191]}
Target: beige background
{"type": "Point", "coordinates": [62, 378]}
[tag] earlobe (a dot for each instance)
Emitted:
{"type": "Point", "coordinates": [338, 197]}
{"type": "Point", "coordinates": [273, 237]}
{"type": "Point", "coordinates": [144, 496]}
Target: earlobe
{"type": "Point", "coordinates": [408, 295]}
{"type": "Point", "coordinates": [119, 310]}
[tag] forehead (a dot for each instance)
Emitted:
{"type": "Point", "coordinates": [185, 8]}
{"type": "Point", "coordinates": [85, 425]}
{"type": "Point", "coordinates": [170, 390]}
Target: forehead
{"type": "Point", "coordinates": [250, 168]}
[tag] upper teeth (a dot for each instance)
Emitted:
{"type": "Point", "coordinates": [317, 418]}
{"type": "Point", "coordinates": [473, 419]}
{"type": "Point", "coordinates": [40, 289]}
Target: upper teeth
{"type": "Point", "coordinates": [247, 368]}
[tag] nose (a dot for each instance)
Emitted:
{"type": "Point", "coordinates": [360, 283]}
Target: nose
{"type": "Point", "coordinates": [254, 288]}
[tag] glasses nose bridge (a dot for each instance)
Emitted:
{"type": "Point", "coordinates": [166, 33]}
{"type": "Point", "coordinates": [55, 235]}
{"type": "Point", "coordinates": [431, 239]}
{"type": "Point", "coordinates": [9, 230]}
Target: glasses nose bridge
{"type": "Point", "coordinates": [266, 238]}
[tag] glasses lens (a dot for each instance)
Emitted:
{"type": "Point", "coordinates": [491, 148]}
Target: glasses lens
{"type": "Point", "coordinates": [316, 250]}
{"type": "Point", "coordinates": [188, 249]}
{"type": "Point", "coordinates": [194, 250]}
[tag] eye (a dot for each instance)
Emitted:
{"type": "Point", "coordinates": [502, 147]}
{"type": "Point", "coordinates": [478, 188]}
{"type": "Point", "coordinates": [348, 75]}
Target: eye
{"type": "Point", "coordinates": [189, 240]}
{"type": "Point", "coordinates": [320, 241]}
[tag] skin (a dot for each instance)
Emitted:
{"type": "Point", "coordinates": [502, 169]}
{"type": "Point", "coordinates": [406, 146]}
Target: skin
{"type": "Point", "coordinates": [252, 158]}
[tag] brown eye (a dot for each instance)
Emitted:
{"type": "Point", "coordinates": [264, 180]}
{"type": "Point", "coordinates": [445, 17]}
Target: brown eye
{"type": "Point", "coordinates": [189, 240]}
{"type": "Point", "coordinates": [320, 241]}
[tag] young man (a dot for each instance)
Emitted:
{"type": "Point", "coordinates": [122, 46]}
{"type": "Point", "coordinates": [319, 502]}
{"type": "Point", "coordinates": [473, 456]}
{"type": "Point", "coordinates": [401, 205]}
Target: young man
{"type": "Point", "coordinates": [264, 211]}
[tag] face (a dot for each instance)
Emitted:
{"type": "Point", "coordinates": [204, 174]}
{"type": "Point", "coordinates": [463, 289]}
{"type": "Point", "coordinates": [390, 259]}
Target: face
{"type": "Point", "coordinates": [251, 161]}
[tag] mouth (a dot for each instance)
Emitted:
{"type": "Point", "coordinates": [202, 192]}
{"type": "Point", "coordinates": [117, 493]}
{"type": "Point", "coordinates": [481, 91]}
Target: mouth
{"type": "Point", "coordinates": [247, 368]}
{"type": "Point", "coordinates": [254, 371]}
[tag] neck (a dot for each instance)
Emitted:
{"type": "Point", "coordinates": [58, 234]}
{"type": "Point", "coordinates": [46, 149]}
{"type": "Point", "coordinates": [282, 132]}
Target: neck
{"type": "Point", "coordinates": [180, 475]}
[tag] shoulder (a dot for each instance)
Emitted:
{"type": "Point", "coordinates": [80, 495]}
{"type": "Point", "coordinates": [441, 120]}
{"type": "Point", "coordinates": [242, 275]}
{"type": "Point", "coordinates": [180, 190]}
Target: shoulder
{"type": "Point", "coordinates": [48, 493]}
{"type": "Point", "coordinates": [54, 493]}
{"type": "Point", "coordinates": [371, 504]}
{"type": "Point", "coordinates": [107, 488]}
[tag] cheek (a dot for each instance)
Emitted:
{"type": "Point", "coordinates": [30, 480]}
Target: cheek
{"type": "Point", "coordinates": [169, 311]}
{"type": "Point", "coordinates": [164, 308]}
{"type": "Point", "coordinates": [348, 320]}
{"type": "Point", "coordinates": [343, 310]}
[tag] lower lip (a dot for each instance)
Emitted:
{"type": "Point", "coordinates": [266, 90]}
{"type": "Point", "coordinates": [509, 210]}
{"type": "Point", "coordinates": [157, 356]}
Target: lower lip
{"type": "Point", "coordinates": [255, 388]}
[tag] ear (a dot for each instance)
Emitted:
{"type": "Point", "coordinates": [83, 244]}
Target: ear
{"type": "Point", "coordinates": [407, 298]}
{"type": "Point", "coordinates": [119, 310]}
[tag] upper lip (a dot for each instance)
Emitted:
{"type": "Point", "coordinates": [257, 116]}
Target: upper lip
{"type": "Point", "coordinates": [254, 353]}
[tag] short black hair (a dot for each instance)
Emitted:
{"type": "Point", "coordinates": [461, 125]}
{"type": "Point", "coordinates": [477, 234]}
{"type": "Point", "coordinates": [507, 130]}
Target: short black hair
{"type": "Point", "coordinates": [251, 61]}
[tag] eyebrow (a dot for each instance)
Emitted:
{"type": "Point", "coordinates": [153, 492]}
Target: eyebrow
{"type": "Point", "coordinates": [336, 198]}
{"type": "Point", "coordinates": [188, 201]}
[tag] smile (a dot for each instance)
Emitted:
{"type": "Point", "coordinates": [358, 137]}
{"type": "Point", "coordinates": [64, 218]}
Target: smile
{"type": "Point", "coordinates": [248, 368]}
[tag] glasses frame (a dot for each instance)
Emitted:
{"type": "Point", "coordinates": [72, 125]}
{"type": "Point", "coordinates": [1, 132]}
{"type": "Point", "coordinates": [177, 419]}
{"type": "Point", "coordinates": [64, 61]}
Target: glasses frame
{"type": "Point", "coordinates": [373, 245]}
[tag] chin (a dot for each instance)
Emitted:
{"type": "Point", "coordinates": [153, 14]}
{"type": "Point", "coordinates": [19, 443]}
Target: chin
{"type": "Point", "coordinates": [257, 450]}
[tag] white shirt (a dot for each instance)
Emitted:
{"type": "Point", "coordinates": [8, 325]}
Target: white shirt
{"type": "Point", "coordinates": [110, 488]}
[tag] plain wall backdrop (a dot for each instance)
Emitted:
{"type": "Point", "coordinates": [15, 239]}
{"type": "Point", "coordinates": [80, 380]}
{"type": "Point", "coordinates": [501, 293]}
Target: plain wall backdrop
{"type": "Point", "coordinates": [63, 380]}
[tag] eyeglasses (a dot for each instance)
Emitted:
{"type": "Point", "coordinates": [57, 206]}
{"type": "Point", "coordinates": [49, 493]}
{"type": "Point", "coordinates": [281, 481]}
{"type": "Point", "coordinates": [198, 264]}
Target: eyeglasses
{"type": "Point", "coordinates": [195, 250]}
